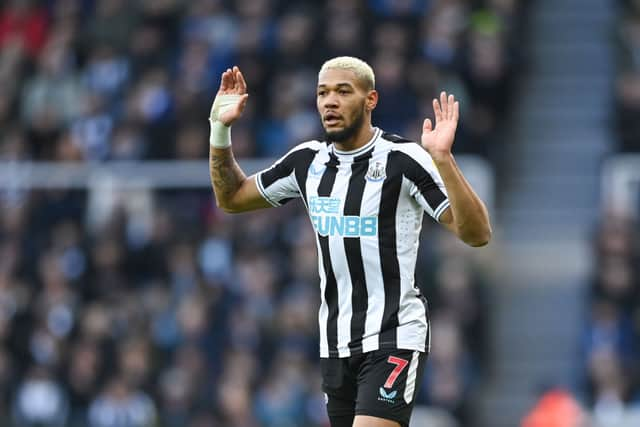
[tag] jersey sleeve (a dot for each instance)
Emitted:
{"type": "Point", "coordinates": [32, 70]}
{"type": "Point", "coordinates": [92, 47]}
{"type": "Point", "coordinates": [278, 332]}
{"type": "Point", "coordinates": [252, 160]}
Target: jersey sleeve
{"type": "Point", "coordinates": [278, 184]}
{"type": "Point", "coordinates": [426, 185]}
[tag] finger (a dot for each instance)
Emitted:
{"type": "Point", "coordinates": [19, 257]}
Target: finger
{"type": "Point", "coordinates": [451, 100]}
{"type": "Point", "coordinates": [232, 76]}
{"type": "Point", "coordinates": [230, 82]}
{"type": "Point", "coordinates": [436, 110]}
{"type": "Point", "coordinates": [443, 104]}
{"type": "Point", "coordinates": [456, 111]}
{"type": "Point", "coordinates": [242, 84]}
{"type": "Point", "coordinates": [224, 81]}
{"type": "Point", "coordinates": [426, 125]}
{"type": "Point", "coordinates": [236, 83]}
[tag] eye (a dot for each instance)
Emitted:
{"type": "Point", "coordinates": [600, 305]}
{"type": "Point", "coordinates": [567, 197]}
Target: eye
{"type": "Point", "coordinates": [322, 93]}
{"type": "Point", "coordinates": [343, 92]}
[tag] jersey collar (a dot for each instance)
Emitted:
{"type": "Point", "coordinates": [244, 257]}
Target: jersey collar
{"type": "Point", "coordinates": [376, 133]}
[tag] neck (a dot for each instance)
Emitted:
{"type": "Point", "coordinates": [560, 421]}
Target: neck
{"type": "Point", "coordinates": [360, 139]}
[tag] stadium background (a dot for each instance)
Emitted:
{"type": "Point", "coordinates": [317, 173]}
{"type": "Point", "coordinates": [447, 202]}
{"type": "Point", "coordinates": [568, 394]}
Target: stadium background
{"type": "Point", "coordinates": [126, 301]}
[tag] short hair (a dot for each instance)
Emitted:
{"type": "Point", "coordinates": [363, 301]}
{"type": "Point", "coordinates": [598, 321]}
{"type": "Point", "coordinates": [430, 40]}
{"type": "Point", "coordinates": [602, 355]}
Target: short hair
{"type": "Point", "coordinates": [361, 69]}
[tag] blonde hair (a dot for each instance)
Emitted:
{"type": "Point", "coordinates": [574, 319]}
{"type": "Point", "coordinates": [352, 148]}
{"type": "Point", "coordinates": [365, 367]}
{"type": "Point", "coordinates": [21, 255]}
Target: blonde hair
{"type": "Point", "coordinates": [361, 69]}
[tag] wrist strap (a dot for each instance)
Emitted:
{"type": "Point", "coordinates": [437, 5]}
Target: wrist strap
{"type": "Point", "coordinates": [221, 104]}
{"type": "Point", "coordinates": [220, 136]}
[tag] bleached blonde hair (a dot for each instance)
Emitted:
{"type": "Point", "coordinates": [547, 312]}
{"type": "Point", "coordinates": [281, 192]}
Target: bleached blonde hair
{"type": "Point", "coordinates": [361, 69]}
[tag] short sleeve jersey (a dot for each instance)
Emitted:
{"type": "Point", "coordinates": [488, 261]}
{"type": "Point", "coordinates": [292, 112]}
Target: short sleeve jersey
{"type": "Point", "coordinates": [366, 207]}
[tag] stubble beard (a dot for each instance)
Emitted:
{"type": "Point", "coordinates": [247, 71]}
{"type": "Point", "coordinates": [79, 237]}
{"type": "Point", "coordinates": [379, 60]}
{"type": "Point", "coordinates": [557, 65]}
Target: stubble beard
{"type": "Point", "coordinates": [348, 132]}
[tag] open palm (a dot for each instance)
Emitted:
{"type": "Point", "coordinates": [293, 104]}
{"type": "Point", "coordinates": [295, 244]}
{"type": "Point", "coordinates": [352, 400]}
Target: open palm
{"type": "Point", "coordinates": [438, 140]}
{"type": "Point", "coordinates": [231, 98]}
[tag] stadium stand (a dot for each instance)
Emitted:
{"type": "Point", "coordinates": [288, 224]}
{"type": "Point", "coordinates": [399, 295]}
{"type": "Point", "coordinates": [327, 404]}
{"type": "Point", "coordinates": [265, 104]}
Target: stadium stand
{"type": "Point", "coordinates": [151, 307]}
{"type": "Point", "coordinates": [612, 333]}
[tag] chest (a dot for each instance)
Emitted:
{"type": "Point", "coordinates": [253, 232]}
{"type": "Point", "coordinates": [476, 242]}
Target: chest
{"type": "Point", "coordinates": [352, 188]}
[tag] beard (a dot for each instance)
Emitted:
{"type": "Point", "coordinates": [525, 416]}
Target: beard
{"type": "Point", "coordinates": [348, 132]}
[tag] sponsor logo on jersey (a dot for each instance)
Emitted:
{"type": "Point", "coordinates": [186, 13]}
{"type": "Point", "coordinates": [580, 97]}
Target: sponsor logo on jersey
{"type": "Point", "coordinates": [324, 205]}
{"type": "Point", "coordinates": [327, 221]}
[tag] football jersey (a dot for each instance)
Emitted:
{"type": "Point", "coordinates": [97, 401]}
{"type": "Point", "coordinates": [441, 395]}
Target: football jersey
{"type": "Point", "coordinates": [366, 207]}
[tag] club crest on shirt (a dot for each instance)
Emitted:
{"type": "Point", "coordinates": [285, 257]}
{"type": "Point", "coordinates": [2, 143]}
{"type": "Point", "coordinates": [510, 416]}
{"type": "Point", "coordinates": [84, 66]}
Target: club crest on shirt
{"type": "Point", "coordinates": [376, 172]}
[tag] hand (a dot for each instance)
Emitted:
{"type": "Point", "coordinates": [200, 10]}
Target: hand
{"type": "Point", "coordinates": [439, 140]}
{"type": "Point", "coordinates": [231, 97]}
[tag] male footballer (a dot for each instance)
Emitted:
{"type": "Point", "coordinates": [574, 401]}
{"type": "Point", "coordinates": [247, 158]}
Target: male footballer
{"type": "Point", "coordinates": [365, 191]}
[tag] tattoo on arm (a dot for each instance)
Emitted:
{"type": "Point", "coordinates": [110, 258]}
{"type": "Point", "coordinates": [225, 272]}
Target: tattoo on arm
{"type": "Point", "coordinates": [226, 175]}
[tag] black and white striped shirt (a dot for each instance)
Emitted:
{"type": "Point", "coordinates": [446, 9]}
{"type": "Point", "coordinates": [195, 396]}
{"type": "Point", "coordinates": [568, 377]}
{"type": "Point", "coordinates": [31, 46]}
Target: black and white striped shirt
{"type": "Point", "coordinates": [366, 207]}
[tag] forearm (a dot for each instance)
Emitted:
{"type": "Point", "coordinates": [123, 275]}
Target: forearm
{"type": "Point", "coordinates": [226, 176]}
{"type": "Point", "coordinates": [470, 215]}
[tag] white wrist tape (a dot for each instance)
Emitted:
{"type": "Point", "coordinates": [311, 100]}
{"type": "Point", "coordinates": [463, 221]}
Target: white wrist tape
{"type": "Point", "coordinates": [220, 136]}
{"type": "Point", "coordinates": [221, 104]}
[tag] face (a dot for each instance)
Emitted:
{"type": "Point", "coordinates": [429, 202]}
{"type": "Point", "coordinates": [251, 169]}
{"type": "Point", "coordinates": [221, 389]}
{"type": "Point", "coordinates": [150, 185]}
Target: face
{"type": "Point", "coordinates": [344, 103]}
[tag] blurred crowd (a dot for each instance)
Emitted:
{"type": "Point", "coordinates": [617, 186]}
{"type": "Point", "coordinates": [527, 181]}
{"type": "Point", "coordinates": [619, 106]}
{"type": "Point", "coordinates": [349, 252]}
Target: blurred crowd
{"type": "Point", "coordinates": [611, 342]}
{"type": "Point", "coordinates": [612, 339]}
{"type": "Point", "coordinates": [98, 80]}
{"type": "Point", "coordinates": [152, 308]}
{"type": "Point", "coordinates": [628, 81]}
{"type": "Point", "coordinates": [157, 309]}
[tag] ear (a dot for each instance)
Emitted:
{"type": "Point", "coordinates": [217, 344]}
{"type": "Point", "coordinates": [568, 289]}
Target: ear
{"type": "Point", "coordinates": [372, 100]}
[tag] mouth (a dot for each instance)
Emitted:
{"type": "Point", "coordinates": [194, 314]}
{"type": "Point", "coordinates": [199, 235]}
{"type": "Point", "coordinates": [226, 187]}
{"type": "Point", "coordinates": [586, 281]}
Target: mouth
{"type": "Point", "coordinates": [331, 119]}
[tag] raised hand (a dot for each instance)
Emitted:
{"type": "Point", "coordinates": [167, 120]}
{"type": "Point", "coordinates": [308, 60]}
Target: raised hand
{"type": "Point", "coordinates": [231, 97]}
{"type": "Point", "coordinates": [438, 140]}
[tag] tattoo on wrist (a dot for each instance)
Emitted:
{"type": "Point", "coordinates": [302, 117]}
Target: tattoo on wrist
{"type": "Point", "coordinates": [225, 174]}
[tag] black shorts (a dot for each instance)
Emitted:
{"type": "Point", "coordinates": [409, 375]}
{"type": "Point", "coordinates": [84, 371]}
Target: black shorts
{"type": "Point", "coordinates": [382, 383]}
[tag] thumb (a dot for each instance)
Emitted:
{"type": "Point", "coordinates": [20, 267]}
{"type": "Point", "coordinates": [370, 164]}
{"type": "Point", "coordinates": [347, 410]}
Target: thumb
{"type": "Point", "coordinates": [426, 125]}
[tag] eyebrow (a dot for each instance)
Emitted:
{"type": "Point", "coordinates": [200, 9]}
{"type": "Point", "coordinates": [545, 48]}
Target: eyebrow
{"type": "Point", "coordinates": [336, 85]}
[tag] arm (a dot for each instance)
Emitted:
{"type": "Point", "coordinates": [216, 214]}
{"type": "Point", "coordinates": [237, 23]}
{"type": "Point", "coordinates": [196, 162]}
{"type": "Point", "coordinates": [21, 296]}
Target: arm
{"type": "Point", "coordinates": [467, 215]}
{"type": "Point", "coordinates": [234, 192]}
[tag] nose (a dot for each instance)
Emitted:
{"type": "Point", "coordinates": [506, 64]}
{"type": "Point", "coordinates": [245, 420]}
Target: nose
{"type": "Point", "coordinates": [330, 101]}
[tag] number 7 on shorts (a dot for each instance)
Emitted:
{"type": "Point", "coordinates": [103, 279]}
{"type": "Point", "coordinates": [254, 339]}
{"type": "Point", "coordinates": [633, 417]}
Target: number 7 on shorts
{"type": "Point", "coordinates": [400, 365]}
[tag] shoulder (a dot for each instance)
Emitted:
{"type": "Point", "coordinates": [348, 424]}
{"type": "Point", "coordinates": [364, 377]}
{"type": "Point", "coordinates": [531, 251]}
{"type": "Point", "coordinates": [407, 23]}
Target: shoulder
{"type": "Point", "coordinates": [410, 154]}
{"type": "Point", "coordinates": [298, 156]}
{"type": "Point", "coordinates": [401, 144]}
{"type": "Point", "coordinates": [409, 147]}
{"type": "Point", "coordinates": [310, 145]}
{"type": "Point", "coordinates": [396, 139]}
{"type": "Point", "coordinates": [304, 148]}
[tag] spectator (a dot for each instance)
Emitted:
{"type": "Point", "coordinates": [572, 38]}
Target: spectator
{"type": "Point", "coordinates": [612, 334]}
{"type": "Point", "coordinates": [121, 406]}
{"type": "Point", "coordinates": [628, 82]}
{"type": "Point", "coordinates": [556, 408]}
{"type": "Point", "coordinates": [40, 401]}
{"type": "Point", "coordinates": [25, 25]}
